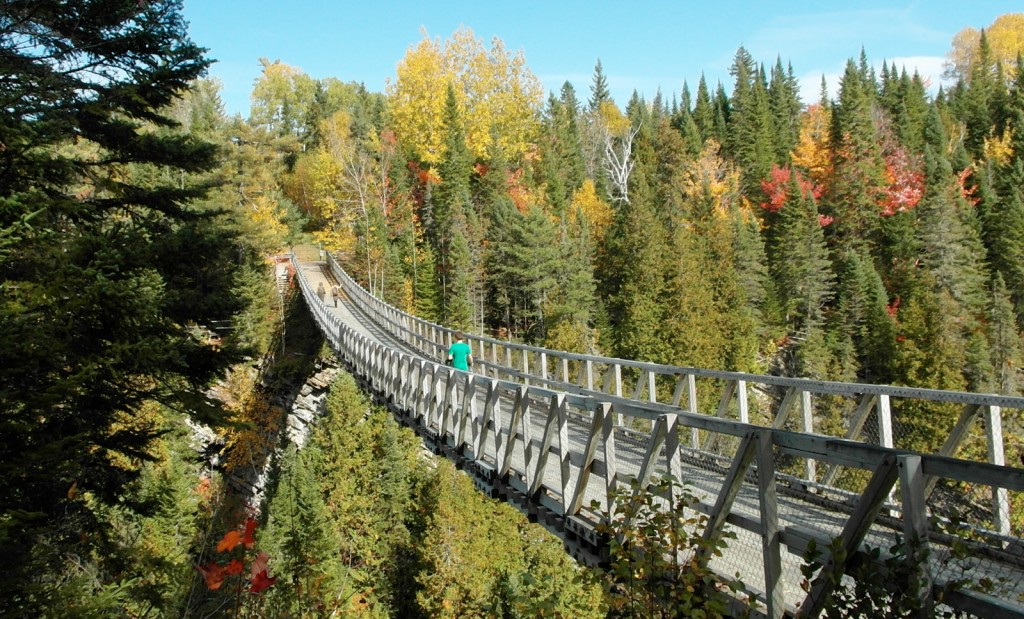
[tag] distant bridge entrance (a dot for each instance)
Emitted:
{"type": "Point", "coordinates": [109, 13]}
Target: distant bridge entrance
{"type": "Point", "coordinates": [558, 433]}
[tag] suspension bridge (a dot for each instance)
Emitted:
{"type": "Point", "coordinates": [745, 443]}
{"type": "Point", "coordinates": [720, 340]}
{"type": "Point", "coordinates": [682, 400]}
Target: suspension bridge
{"type": "Point", "coordinates": [561, 435]}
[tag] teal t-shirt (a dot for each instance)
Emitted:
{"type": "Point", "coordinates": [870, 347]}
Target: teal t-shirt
{"type": "Point", "coordinates": [459, 352]}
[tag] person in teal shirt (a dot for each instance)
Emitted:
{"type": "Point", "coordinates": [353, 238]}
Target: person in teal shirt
{"type": "Point", "coordinates": [460, 355]}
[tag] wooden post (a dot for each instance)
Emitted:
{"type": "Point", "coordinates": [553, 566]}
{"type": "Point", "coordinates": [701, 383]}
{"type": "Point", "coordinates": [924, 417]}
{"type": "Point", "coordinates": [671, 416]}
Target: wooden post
{"type": "Point", "coordinates": [915, 531]}
{"type": "Point", "coordinates": [771, 545]}
{"type": "Point", "coordinates": [1000, 497]}
{"type": "Point", "coordinates": [807, 409]}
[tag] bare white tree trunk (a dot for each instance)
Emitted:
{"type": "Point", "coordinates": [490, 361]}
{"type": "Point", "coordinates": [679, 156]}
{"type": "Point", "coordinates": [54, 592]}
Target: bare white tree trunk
{"type": "Point", "coordinates": [618, 162]}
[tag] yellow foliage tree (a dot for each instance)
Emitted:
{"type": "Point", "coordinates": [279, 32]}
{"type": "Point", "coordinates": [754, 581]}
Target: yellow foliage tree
{"type": "Point", "coordinates": [1005, 40]}
{"type": "Point", "coordinates": [417, 99]}
{"type": "Point", "coordinates": [710, 177]}
{"type": "Point", "coordinates": [597, 213]}
{"type": "Point", "coordinates": [999, 149]}
{"type": "Point", "coordinates": [318, 185]}
{"type": "Point", "coordinates": [281, 98]}
{"type": "Point", "coordinates": [498, 96]}
{"type": "Point", "coordinates": [812, 154]}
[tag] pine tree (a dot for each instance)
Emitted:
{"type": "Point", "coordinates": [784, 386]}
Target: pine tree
{"type": "Point", "coordinates": [300, 533]}
{"type": "Point", "coordinates": [633, 277]}
{"type": "Point", "coordinates": [863, 308]}
{"type": "Point", "coordinates": [950, 248]}
{"type": "Point", "coordinates": [978, 102]}
{"type": "Point", "coordinates": [570, 308]}
{"type": "Point", "coordinates": [753, 131]}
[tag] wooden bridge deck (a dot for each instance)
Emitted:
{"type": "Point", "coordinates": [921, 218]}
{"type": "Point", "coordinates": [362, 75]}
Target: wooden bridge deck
{"type": "Point", "coordinates": [554, 453]}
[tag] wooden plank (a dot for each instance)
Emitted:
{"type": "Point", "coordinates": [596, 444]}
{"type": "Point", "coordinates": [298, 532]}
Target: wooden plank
{"type": "Point", "coordinates": [564, 452]}
{"type": "Point", "coordinates": [782, 415]}
{"type": "Point", "coordinates": [520, 419]}
{"type": "Point", "coordinates": [741, 399]}
{"type": "Point", "coordinates": [771, 546]}
{"type": "Point", "coordinates": [856, 528]}
{"type": "Point", "coordinates": [467, 414]}
{"type": "Point", "coordinates": [611, 463]}
{"type": "Point", "coordinates": [550, 432]}
{"type": "Point", "coordinates": [857, 421]}
{"type": "Point", "coordinates": [807, 411]}
{"type": "Point", "coordinates": [731, 486]}
{"type": "Point", "coordinates": [490, 415]}
{"type": "Point", "coordinates": [575, 500]}
{"type": "Point", "coordinates": [654, 444]}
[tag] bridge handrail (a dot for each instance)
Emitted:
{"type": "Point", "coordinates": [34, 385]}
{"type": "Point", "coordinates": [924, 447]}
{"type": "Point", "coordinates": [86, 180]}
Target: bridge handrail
{"type": "Point", "coordinates": [433, 339]}
{"type": "Point", "coordinates": [429, 391]}
{"type": "Point", "coordinates": [387, 312]}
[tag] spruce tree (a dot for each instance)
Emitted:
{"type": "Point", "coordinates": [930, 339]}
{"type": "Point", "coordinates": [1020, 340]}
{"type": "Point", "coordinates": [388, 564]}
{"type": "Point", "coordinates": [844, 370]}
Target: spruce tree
{"type": "Point", "coordinates": [784, 97]}
{"type": "Point", "coordinates": [452, 206]}
{"type": "Point", "coordinates": [97, 292]}
{"type": "Point", "coordinates": [704, 112]}
{"type": "Point", "coordinates": [599, 92]}
{"type": "Point", "coordinates": [859, 168]}
{"type": "Point", "coordinates": [802, 270]}
{"type": "Point", "coordinates": [1005, 340]}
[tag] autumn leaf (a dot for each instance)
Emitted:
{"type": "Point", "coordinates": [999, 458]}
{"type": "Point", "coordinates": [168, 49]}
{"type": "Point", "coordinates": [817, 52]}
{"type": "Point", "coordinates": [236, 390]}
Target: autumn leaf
{"type": "Point", "coordinates": [260, 582]}
{"type": "Point", "coordinates": [259, 564]}
{"type": "Point", "coordinates": [230, 540]}
{"type": "Point", "coordinates": [234, 567]}
{"type": "Point", "coordinates": [213, 574]}
{"type": "Point", "coordinates": [248, 537]}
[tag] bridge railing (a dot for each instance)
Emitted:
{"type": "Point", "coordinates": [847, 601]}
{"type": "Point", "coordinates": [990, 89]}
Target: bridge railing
{"type": "Point", "coordinates": [885, 415]}
{"type": "Point", "coordinates": [563, 453]}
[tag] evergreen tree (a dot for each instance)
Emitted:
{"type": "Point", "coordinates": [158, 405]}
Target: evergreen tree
{"type": "Point", "coordinates": [863, 308]}
{"type": "Point", "coordinates": [784, 97]}
{"type": "Point", "coordinates": [634, 277]}
{"type": "Point", "coordinates": [1005, 341]}
{"type": "Point", "coordinates": [741, 104]}
{"type": "Point", "coordinates": [950, 248]}
{"type": "Point", "coordinates": [96, 196]}
{"type": "Point", "coordinates": [599, 92]}
{"type": "Point", "coordinates": [570, 308]}
{"type": "Point", "coordinates": [979, 99]}
{"type": "Point", "coordinates": [859, 172]}
{"type": "Point", "coordinates": [452, 213]}
{"type": "Point", "coordinates": [301, 537]}
{"type": "Point", "coordinates": [704, 112]}
{"type": "Point", "coordinates": [753, 131]}
{"type": "Point", "coordinates": [801, 267]}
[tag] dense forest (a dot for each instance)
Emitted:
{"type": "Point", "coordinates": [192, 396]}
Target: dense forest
{"type": "Point", "coordinates": [875, 236]}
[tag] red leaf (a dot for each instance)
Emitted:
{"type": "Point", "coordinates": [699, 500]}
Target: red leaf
{"type": "Point", "coordinates": [260, 582]}
{"type": "Point", "coordinates": [230, 540]}
{"type": "Point", "coordinates": [248, 537]}
{"type": "Point", "coordinates": [214, 575]}
{"type": "Point", "coordinates": [234, 567]}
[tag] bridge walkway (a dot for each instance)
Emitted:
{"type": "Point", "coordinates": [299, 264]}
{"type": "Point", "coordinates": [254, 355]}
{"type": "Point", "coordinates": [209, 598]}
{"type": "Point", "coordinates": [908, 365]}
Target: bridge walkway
{"type": "Point", "coordinates": [553, 453]}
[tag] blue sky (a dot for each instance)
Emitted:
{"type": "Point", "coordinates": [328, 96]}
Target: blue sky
{"type": "Point", "coordinates": [643, 45]}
